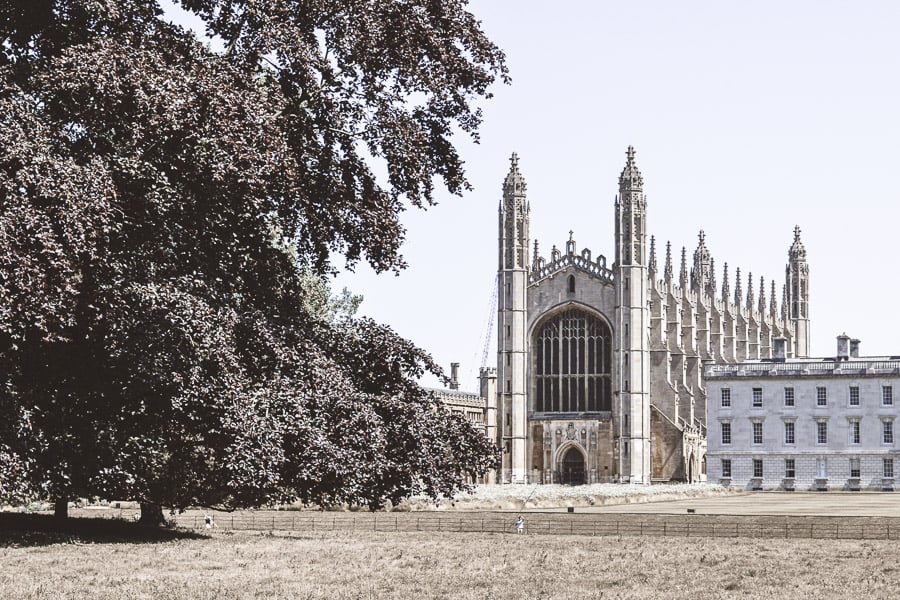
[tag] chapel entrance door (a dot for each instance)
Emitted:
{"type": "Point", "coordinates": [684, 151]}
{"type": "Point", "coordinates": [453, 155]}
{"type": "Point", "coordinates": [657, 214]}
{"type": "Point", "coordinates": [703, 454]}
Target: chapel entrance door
{"type": "Point", "coordinates": [573, 467]}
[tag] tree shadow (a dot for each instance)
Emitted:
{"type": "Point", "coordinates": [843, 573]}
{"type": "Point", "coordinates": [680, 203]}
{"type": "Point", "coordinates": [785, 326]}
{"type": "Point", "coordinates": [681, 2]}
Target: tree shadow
{"type": "Point", "coordinates": [27, 530]}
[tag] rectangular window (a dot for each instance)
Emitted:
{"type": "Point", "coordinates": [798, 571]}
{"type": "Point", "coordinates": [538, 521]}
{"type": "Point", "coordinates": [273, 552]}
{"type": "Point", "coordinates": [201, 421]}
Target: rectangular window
{"type": "Point", "coordinates": [757, 467]}
{"type": "Point", "coordinates": [789, 432]}
{"type": "Point", "coordinates": [757, 397]}
{"type": "Point", "coordinates": [726, 397]}
{"type": "Point", "coordinates": [821, 396]}
{"type": "Point", "coordinates": [789, 469]}
{"type": "Point", "coordinates": [888, 467]}
{"type": "Point", "coordinates": [788, 396]}
{"type": "Point", "coordinates": [726, 433]}
{"type": "Point", "coordinates": [887, 429]}
{"type": "Point", "coordinates": [726, 467]}
{"type": "Point", "coordinates": [757, 432]}
{"type": "Point", "coordinates": [887, 395]}
{"type": "Point", "coordinates": [854, 468]}
{"type": "Point", "coordinates": [821, 432]}
{"type": "Point", "coordinates": [854, 395]}
{"type": "Point", "coordinates": [854, 432]}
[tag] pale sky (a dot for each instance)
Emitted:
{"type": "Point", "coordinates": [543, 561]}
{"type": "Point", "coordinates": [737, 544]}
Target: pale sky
{"type": "Point", "coordinates": [747, 118]}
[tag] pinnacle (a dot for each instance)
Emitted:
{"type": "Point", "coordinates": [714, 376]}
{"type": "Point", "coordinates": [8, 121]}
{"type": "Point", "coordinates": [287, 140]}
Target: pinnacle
{"type": "Point", "coordinates": [631, 178]}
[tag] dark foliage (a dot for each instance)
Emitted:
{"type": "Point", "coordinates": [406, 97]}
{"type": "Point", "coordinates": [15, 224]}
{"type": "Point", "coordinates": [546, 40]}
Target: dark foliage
{"type": "Point", "coordinates": [160, 203]}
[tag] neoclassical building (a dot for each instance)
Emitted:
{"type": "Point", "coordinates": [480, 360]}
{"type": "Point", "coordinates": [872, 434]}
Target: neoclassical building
{"type": "Point", "coordinates": [804, 424]}
{"type": "Point", "coordinates": [599, 363]}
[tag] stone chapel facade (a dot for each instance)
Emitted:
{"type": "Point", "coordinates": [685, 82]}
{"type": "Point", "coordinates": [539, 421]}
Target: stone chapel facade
{"type": "Point", "coordinates": [599, 367]}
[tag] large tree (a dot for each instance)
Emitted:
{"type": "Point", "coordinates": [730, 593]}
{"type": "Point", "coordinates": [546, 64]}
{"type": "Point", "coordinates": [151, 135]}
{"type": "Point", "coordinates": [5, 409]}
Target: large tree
{"type": "Point", "coordinates": [160, 205]}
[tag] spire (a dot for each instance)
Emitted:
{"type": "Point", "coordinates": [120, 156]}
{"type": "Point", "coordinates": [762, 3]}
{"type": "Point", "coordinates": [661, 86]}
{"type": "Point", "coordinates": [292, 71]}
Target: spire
{"type": "Point", "coordinates": [514, 219]}
{"type": "Point", "coordinates": [652, 266]}
{"type": "Point", "coordinates": [725, 289]}
{"type": "Point", "coordinates": [631, 178]}
{"type": "Point", "coordinates": [784, 303]}
{"type": "Point", "coordinates": [514, 184]}
{"type": "Point", "coordinates": [773, 303]}
{"type": "Point", "coordinates": [570, 244]}
{"type": "Point", "coordinates": [762, 296]}
{"type": "Point", "coordinates": [797, 252]}
{"type": "Point", "coordinates": [711, 284]}
{"type": "Point", "coordinates": [668, 273]}
{"type": "Point", "coordinates": [683, 276]}
{"type": "Point", "coordinates": [737, 288]}
{"type": "Point", "coordinates": [702, 265]}
{"type": "Point", "coordinates": [750, 295]}
{"type": "Point", "coordinates": [534, 262]}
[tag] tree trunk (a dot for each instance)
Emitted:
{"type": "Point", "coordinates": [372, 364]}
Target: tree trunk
{"type": "Point", "coordinates": [151, 514]}
{"type": "Point", "coordinates": [61, 508]}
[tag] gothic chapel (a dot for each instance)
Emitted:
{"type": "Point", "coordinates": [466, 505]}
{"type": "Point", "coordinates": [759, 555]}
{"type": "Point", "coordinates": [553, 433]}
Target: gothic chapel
{"type": "Point", "coordinates": [599, 367]}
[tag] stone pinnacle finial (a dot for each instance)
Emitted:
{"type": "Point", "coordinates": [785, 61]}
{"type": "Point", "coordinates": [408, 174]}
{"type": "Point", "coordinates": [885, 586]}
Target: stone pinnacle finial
{"type": "Point", "coordinates": [797, 253]}
{"type": "Point", "coordinates": [762, 296]}
{"type": "Point", "coordinates": [683, 275]}
{"type": "Point", "coordinates": [514, 184]}
{"type": "Point", "coordinates": [711, 284]}
{"type": "Point", "coordinates": [667, 270]}
{"type": "Point", "coordinates": [725, 288]}
{"type": "Point", "coordinates": [652, 266]}
{"type": "Point", "coordinates": [534, 262]}
{"type": "Point", "coordinates": [631, 178]}
{"type": "Point", "coordinates": [750, 294]}
{"type": "Point", "coordinates": [737, 288]}
{"type": "Point", "coordinates": [784, 303]}
{"type": "Point", "coordinates": [773, 303]}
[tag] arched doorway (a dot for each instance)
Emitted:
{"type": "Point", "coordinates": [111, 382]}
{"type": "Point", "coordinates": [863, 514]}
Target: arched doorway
{"type": "Point", "coordinates": [573, 467]}
{"type": "Point", "coordinates": [690, 473]}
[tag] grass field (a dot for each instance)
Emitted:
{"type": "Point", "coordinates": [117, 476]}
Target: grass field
{"type": "Point", "coordinates": [356, 565]}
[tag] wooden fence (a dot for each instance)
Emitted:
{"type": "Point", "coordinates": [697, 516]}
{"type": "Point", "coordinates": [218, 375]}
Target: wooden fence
{"type": "Point", "coordinates": [553, 524]}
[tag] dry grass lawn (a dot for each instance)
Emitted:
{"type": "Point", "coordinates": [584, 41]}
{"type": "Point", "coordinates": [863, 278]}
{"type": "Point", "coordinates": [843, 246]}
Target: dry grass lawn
{"type": "Point", "coordinates": [423, 565]}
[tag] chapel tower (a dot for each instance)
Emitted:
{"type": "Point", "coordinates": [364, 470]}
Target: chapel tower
{"type": "Point", "coordinates": [631, 404]}
{"type": "Point", "coordinates": [797, 291]}
{"type": "Point", "coordinates": [511, 344]}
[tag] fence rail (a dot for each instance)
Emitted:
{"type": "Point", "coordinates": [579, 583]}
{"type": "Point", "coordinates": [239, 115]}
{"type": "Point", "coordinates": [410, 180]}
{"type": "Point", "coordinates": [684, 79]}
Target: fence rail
{"type": "Point", "coordinates": [695, 526]}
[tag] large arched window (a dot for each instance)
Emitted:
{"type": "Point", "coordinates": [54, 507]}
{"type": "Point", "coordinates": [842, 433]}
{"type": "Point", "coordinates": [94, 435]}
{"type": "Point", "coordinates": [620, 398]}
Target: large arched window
{"type": "Point", "coordinates": [573, 360]}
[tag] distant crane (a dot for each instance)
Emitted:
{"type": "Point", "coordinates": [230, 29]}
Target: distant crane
{"type": "Point", "coordinates": [485, 342]}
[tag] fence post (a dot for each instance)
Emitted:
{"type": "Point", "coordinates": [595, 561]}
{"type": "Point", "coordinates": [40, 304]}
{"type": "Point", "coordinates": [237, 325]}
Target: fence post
{"type": "Point", "coordinates": [396, 524]}
{"type": "Point", "coordinates": [313, 523]}
{"type": "Point", "coordinates": [375, 523]}
{"type": "Point", "coordinates": [417, 524]}
{"type": "Point", "coordinates": [232, 520]}
{"type": "Point", "coordinates": [665, 533]}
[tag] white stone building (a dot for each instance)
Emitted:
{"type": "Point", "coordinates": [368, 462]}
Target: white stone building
{"type": "Point", "coordinates": [804, 424]}
{"type": "Point", "coordinates": [599, 363]}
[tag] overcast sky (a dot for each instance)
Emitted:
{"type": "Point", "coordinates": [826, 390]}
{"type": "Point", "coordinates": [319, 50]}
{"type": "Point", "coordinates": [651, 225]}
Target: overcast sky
{"type": "Point", "coordinates": [747, 118]}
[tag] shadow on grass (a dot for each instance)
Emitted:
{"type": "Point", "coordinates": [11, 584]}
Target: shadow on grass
{"type": "Point", "coordinates": [20, 530]}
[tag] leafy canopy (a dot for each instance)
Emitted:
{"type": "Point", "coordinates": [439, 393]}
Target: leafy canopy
{"type": "Point", "coordinates": [160, 206]}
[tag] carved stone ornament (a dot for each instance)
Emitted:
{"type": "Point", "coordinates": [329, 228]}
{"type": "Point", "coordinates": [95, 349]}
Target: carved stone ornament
{"type": "Point", "coordinates": [570, 431]}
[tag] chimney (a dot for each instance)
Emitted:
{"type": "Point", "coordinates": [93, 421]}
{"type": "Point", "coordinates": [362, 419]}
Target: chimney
{"type": "Point", "coordinates": [843, 347]}
{"type": "Point", "coordinates": [779, 345]}
{"type": "Point", "coordinates": [854, 348]}
{"type": "Point", "coordinates": [454, 376]}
